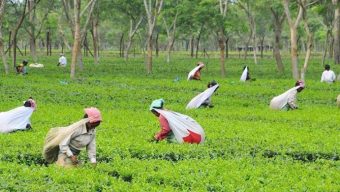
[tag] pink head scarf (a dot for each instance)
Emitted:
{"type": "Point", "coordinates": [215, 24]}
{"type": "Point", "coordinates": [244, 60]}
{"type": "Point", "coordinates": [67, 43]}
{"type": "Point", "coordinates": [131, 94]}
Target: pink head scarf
{"type": "Point", "coordinates": [93, 114]}
{"type": "Point", "coordinates": [300, 83]}
{"type": "Point", "coordinates": [201, 64]}
{"type": "Point", "coordinates": [33, 104]}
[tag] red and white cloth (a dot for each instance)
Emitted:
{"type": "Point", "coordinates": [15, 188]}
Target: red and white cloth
{"type": "Point", "coordinates": [184, 128]}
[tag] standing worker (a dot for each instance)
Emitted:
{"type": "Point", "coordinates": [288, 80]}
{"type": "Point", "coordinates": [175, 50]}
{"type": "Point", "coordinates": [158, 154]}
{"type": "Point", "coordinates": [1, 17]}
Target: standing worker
{"type": "Point", "coordinates": [62, 60]}
{"type": "Point", "coordinates": [328, 75]}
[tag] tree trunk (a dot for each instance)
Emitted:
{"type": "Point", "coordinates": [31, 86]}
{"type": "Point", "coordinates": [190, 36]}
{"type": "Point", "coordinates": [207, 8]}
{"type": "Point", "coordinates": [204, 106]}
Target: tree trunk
{"type": "Point", "coordinates": [197, 45]}
{"type": "Point", "coordinates": [294, 53]}
{"type": "Point", "coordinates": [277, 53]}
{"type": "Point", "coordinates": [157, 45]}
{"type": "Point", "coordinates": [2, 53]}
{"type": "Point", "coordinates": [254, 40]}
{"type": "Point", "coordinates": [246, 47]}
{"type": "Point", "coordinates": [336, 32]}
{"type": "Point", "coordinates": [77, 37]}
{"type": "Point", "coordinates": [192, 46]}
{"type": "Point", "coordinates": [15, 32]}
{"type": "Point", "coordinates": [277, 23]}
{"type": "Point", "coordinates": [221, 43]}
{"type": "Point", "coordinates": [47, 41]}
{"type": "Point", "coordinates": [31, 5]}
{"type": "Point", "coordinates": [325, 49]}
{"type": "Point", "coordinates": [198, 41]}
{"type": "Point", "coordinates": [149, 57]}
{"type": "Point", "coordinates": [293, 25]}
{"type": "Point", "coordinates": [262, 46]}
{"type": "Point", "coordinates": [9, 43]}
{"type": "Point", "coordinates": [95, 40]}
{"type": "Point", "coordinates": [227, 47]}
{"type": "Point", "coordinates": [309, 47]}
{"type": "Point", "coordinates": [121, 45]}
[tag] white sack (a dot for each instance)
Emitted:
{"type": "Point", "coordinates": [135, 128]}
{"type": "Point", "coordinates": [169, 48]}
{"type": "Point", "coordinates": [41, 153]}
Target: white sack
{"type": "Point", "coordinates": [244, 74]}
{"type": "Point", "coordinates": [180, 124]}
{"type": "Point", "coordinates": [197, 101]}
{"type": "Point", "coordinates": [15, 119]}
{"type": "Point", "coordinates": [36, 65]}
{"type": "Point", "coordinates": [280, 101]}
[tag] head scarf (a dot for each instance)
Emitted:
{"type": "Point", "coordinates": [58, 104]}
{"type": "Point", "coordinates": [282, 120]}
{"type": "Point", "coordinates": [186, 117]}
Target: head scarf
{"type": "Point", "coordinates": [157, 104]}
{"type": "Point", "coordinates": [201, 64]}
{"type": "Point", "coordinates": [33, 103]}
{"type": "Point", "coordinates": [300, 83]}
{"type": "Point", "coordinates": [93, 114]}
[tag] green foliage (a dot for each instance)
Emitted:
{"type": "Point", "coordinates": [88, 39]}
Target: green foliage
{"type": "Point", "coordinates": [248, 146]}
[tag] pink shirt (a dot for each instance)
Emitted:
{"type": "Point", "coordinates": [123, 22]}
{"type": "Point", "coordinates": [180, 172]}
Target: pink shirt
{"type": "Point", "coordinates": [165, 128]}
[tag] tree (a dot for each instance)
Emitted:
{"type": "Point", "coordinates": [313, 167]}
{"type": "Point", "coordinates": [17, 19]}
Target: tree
{"type": "Point", "coordinates": [36, 25]}
{"type": "Point", "coordinates": [78, 33]}
{"type": "Point", "coordinates": [153, 10]}
{"type": "Point", "coordinates": [221, 35]}
{"type": "Point", "coordinates": [278, 18]}
{"type": "Point", "coordinates": [134, 14]}
{"type": "Point", "coordinates": [293, 24]}
{"type": "Point", "coordinates": [310, 37]}
{"type": "Point", "coordinates": [248, 9]}
{"type": "Point", "coordinates": [3, 55]}
{"type": "Point", "coordinates": [336, 32]}
{"type": "Point", "coordinates": [15, 29]}
{"type": "Point", "coordinates": [169, 16]}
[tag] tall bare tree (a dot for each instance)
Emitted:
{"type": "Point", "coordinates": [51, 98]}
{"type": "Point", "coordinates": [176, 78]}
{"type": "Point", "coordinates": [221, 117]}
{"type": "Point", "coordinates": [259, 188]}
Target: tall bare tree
{"type": "Point", "coordinates": [310, 37]}
{"type": "Point", "coordinates": [153, 10]}
{"type": "Point", "coordinates": [78, 32]}
{"type": "Point", "coordinates": [3, 55]}
{"type": "Point", "coordinates": [16, 28]}
{"type": "Point", "coordinates": [221, 35]}
{"type": "Point", "coordinates": [171, 33]}
{"type": "Point", "coordinates": [336, 32]}
{"type": "Point", "coordinates": [95, 33]}
{"type": "Point", "coordinates": [293, 24]}
{"type": "Point", "coordinates": [278, 19]}
{"type": "Point", "coordinates": [252, 26]}
{"type": "Point", "coordinates": [35, 26]}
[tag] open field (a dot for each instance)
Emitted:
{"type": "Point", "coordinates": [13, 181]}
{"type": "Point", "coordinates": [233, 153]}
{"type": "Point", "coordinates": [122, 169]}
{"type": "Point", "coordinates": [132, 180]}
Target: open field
{"type": "Point", "coordinates": [248, 146]}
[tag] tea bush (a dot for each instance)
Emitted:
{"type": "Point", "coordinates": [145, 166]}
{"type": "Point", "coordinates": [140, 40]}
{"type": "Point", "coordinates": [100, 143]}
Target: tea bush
{"type": "Point", "coordinates": [248, 146]}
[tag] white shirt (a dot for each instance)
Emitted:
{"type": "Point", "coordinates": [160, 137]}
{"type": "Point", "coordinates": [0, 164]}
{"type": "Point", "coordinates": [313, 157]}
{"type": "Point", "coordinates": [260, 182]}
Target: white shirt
{"type": "Point", "coordinates": [62, 61]}
{"type": "Point", "coordinates": [78, 140]}
{"type": "Point", "coordinates": [328, 76]}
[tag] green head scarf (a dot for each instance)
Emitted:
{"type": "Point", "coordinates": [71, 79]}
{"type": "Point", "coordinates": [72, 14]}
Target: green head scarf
{"type": "Point", "coordinates": [157, 104]}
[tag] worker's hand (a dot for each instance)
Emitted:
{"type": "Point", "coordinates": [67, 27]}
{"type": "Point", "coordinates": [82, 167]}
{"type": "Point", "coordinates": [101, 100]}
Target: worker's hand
{"type": "Point", "coordinates": [74, 159]}
{"type": "Point", "coordinates": [153, 140]}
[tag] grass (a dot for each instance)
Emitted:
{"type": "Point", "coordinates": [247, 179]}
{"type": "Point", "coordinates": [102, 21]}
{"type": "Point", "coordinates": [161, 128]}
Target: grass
{"type": "Point", "coordinates": [248, 146]}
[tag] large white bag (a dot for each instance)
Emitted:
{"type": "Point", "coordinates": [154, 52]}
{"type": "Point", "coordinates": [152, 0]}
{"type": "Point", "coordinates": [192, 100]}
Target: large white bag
{"type": "Point", "coordinates": [15, 119]}
{"type": "Point", "coordinates": [181, 125]}
{"type": "Point", "coordinates": [197, 101]}
{"type": "Point", "coordinates": [244, 74]}
{"type": "Point", "coordinates": [280, 101]}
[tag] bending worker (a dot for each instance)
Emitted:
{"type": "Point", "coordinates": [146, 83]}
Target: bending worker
{"type": "Point", "coordinates": [195, 74]}
{"type": "Point", "coordinates": [287, 100]}
{"type": "Point", "coordinates": [63, 144]}
{"type": "Point", "coordinates": [17, 119]}
{"type": "Point", "coordinates": [176, 127]}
